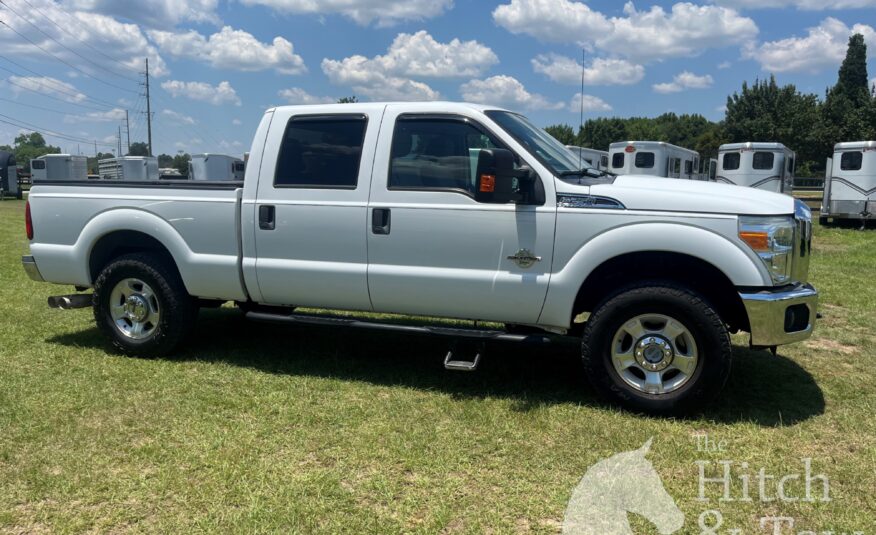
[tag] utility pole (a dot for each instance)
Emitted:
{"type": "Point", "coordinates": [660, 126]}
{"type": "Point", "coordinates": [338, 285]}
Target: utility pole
{"type": "Point", "coordinates": [120, 140]}
{"type": "Point", "coordinates": [95, 148]}
{"type": "Point", "coordinates": [128, 130]}
{"type": "Point", "coordinates": [148, 112]}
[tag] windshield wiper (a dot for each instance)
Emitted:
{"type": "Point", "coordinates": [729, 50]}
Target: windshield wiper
{"type": "Point", "coordinates": [587, 171]}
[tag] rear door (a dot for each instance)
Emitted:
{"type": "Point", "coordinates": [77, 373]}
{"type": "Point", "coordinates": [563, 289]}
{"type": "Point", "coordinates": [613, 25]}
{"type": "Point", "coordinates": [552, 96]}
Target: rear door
{"type": "Point", "coordinates": [311, 207]}
{"type": "Point", "coordinates": [433, 249]}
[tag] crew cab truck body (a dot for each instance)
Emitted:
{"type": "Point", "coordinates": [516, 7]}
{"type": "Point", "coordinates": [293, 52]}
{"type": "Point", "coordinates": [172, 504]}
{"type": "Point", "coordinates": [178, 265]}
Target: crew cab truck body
{"type": "Point", "coordinates": [442, 210]}
{"type": "Point", "coordinates": [850, 183]}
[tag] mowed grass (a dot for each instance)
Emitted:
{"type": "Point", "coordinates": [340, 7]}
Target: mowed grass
{"type": "Point", "coordinates": [255, 428]}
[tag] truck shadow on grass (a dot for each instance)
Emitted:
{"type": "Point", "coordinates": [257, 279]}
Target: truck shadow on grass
{"type": "Point", "coordinates": [762, 389]}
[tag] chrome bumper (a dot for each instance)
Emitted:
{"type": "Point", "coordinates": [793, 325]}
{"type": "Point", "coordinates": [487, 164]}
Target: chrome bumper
{"type": "Point", "coordinates": [30, 267]}
{"type": "Point", "coordinates": [780, 316]}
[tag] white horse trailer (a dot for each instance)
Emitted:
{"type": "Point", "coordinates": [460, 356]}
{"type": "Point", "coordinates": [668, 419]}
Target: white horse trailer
{"type": "Point", "coordinates": [597, 159]}
{"type": "Point", "coordinates": [9, 176]}
{"type": "Point", "coordinates": [767, 166]}
{"type": "Point", "coordinates": [59, 167]}
{"type": "Point", "coordinates": [655, 158]}
{"type": "Point", "coordinates": [216, 167]}
{"type": "Point", "coordinates": [131, 168]}
{"type": "Point", "coordinates": [850, 187]}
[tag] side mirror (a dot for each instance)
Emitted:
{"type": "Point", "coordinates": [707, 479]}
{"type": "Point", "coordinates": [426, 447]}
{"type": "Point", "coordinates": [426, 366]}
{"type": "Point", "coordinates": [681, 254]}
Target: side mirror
{"type": "Point", "coordinates": [497, 180]}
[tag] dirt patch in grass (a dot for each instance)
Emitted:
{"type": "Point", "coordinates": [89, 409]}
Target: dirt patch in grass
{"type": "Point", "coordinates": [824, 344]}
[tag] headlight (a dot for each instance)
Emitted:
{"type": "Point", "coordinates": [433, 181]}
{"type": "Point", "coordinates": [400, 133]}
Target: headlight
{"type": "Point", "coordinates": [772, 238]}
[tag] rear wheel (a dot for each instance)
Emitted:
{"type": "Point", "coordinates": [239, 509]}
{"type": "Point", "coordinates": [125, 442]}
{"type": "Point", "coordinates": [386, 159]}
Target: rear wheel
{"type": "Point", "coordinates": [141, 305]}
{"type": "Point", "coordinates": [657, 348]}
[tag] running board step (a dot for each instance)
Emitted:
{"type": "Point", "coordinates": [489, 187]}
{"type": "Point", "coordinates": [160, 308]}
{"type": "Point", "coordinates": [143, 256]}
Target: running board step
{"type": "Point", "coordinates": [453, 332]}
{"type": "Point", "coordinates": [463, 365]}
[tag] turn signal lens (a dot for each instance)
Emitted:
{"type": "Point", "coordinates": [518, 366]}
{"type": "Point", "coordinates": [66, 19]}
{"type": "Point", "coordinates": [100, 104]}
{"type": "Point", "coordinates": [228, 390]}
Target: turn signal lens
{"type": "Point", "coordinates": [488, 183]}
{"type": "Point", "coordinates": [759, 241]}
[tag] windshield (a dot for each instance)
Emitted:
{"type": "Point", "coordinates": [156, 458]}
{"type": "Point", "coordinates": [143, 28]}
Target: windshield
{"type": "Point", "coordinates": [550, 152]}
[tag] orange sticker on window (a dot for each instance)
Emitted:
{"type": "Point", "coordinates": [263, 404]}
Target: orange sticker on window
{"type": "Point", "coordinates": [488, 183]}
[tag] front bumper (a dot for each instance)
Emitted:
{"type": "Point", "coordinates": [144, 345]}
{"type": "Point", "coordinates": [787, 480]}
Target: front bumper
{"type": "Point", "coordinates": [781, 315]}
{"type": "Point", "coordinates": [30, 267]}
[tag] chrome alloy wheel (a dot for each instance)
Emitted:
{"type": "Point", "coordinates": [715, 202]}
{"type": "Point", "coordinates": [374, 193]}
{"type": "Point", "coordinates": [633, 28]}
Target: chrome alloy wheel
{"type": "Point", "coordinates": [654, 353]}
{"type": "Point", "coordinates": [134, 309]}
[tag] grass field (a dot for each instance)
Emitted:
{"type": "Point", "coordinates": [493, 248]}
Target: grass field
{"type": "Point", "coordinates": [257, 428]}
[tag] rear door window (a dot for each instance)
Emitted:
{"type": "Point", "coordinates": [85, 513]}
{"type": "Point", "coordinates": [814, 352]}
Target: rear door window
{"type": "Point", "coordinates": [645, 160]}
{"type": "Point", "coordinates": [730, 161]}
{"type": "Point", "coordinates": [763, 160]}
{"type": "Point", "coordinates": [851, 161]}
{"type": "Point", "coordinates": [321, 151]}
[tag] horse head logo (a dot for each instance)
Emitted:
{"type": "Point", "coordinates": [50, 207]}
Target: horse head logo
{"type": "Point", "coordinates": [624, 483]}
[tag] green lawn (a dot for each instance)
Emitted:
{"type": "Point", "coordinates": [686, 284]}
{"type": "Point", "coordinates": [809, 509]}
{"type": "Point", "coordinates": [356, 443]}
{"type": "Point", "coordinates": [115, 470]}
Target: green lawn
{"type": "Point", "coordinates": [256, 428]}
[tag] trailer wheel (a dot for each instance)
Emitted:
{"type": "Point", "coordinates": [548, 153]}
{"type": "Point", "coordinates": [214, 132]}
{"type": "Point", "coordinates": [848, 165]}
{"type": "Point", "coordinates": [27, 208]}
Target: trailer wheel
{"type": "Point", "coordinates": [142, 306]}
{"type": "Point", "coordinates": [658, 348]}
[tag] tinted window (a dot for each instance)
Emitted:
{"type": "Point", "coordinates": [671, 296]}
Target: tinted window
{"type": "Point", "coordinates": [851, 161]}
{"type": "Point", "coordinates": [321, 152]}
{"type": "Point", "coordinates": [763, 160]}
{"type": "Point", "coordinates": [731, 161]}
{"type": "Point", "coordinates": [238, 166]}
{"type": "Point", "coordinates": [436, 153]}
{"type": "Point", "coordinates": [38, 164]}
{"type": "Point", "coordinates": [604, 161]}
{"type": "Point", "coordinates": [617, 160]}
{"type": "Point", "coordinates": [645, 160]}
{"type": "Point", "coordinates": [688, 167]}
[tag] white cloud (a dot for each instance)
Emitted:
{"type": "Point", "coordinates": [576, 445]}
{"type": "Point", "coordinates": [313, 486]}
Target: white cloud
{"type": "Point", "coordinates": [505, 90]}
{"type": "Point", "coordinates": [391, 76]}
{"type": "Point", "coordinates": [650, 35]}
{"type": "Point", "coordinates": [115, 114]}
{"type": "Point", "coordinates": [384, 12]}
{"type": "Point", "coordinates": [46, 85]}
{"type": "Point", "coordinates": [824, 46]}
{"type": "Point", "coordinates": [296, 95]}
{"type": "Point", "coordinates": [600, 71]}
{"type": "Point", "coordinates": [177, 117]}
{"type": "Point", "coordinates": [123, 41]}
{"type": "Point", "coordinates": [725, 65]}
{"type": "Point", "coordinates": [216, 95]}
{"type": "Point", "coordinates": [806, 5]}
{"type": "Point", "coordinates": [231, 49]}
{"type": "Point", "coordinates": [591, 104]}
{"type": "Point", "coordinates": [236, 122]}
{"type": "Point", "coordinates": [155, 13]}
{"type": "Point", "coordinates": [684, 80]}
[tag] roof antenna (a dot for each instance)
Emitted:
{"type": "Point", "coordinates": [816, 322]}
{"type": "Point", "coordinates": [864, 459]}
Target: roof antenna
{"type": "Point", "coordinates": [581, 121]}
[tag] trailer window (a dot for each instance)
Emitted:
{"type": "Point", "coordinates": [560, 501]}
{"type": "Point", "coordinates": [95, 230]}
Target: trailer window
{"type": "Point", "coordinates": [645, 160]}
{"type": "Point", "coordinates": [38, 164]}
{"type": "Point", "coordinates": [688, 167]}
{"type": "Point", "coordinates": [763, 160]}
{"type": "Point", "coordinates": [730, 161]}
{"type": "Point", "coordinates": [851, 161]}
{"type": "Point", "coordinates": [321, 152]}
{"type": "Point", "coordinates": [617, 160]}
{"type": "Point", "coordinates": [603, 160]}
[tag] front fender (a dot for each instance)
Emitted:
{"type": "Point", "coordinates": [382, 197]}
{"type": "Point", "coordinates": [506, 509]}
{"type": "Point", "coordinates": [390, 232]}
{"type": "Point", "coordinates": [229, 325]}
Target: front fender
{"type": "Point", "coordinates": [740, 267]}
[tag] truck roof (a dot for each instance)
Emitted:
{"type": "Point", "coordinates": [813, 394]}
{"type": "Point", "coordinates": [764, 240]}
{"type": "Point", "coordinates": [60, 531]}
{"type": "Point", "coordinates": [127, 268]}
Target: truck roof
{"type": "Point", "coordinates": [846, 145]}
{"type": "Point", "coordinates": [437, 106]}
{"type": "Point", "coordinates": [755, 145]}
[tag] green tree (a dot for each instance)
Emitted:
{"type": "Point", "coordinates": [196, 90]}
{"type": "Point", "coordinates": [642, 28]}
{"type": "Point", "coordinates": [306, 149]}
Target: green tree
{"type": "Point", "coordinates": [181, 163]}
{"type": "Point", "coordinates": [165, 160]}
{"type": "Point", "coordinates": [600, 133]}
{"type": "Point", "coordinates": [849, 110]}
{"type": "Point", "coordinates": [348, 100]}
{"type": "Point", "coordinates": [138, 148]}
{"type": "Point", "coordinates": [562, 132]}
{"type": "Point", "coordinates": [30, 146]}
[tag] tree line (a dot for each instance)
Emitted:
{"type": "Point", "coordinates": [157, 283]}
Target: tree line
{"type": "Point", "coordinates": [763, 111]}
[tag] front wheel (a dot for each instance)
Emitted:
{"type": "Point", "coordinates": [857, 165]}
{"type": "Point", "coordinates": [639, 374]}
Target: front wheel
{"type": "Point", "coordinates": [658, 348]}
{"type": "Point", "coordinates": [141, 305]}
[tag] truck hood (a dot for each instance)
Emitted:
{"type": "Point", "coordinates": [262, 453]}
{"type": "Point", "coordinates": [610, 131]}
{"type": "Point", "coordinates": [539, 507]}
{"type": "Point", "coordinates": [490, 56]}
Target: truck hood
{"type": "Point", "coordinates": [638, 192]}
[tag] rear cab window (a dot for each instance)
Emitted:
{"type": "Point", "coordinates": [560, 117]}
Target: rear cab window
{"type": "Point", "coordinates": [321, 151]}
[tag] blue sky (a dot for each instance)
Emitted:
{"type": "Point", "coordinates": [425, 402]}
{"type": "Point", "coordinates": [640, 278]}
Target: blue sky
{"type": "Point", "coordinates": [218, 64]}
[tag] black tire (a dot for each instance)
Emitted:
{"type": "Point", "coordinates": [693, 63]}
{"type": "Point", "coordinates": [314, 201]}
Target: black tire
{"type": "Point", "coordinates": [668, 299]}
{"type": "Point", "coordinates": [178, 310]}
{"type": "Point", "coordinates": [823, 221]}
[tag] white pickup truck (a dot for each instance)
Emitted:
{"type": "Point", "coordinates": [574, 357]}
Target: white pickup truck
{"type": "Point", "coordinates": [441, 210]}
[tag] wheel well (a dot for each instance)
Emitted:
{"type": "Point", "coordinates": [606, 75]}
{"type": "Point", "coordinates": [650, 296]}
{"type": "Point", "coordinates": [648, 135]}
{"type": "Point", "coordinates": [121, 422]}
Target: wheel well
{"type": "Point", "coordinates": [122, 242]}
{"type": "Point", "coordinates": [691, 272]}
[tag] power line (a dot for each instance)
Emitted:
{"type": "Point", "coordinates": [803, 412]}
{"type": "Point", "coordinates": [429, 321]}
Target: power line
{"type": "Point", "coordinates": [50, 96]}
{"type": "Point", "coordinates": [48, 79]}
{"type": "Point", "coordinates": [34, 106]}
{"type": "Point", "coordinates": [62, 45]}
{"type": "Point", "coordinates": [50, 133]}
{"type": "Point", "coordinates": [71, 34]}
{"type": "Point", "coordinates": [65, 62]}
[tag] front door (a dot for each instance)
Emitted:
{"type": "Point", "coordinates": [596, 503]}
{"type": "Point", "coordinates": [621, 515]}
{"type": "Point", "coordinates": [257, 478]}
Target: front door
{"type": "Point", "coordinates": [311, 208]}
{"type": "Point", "coordinates": [433, 249]}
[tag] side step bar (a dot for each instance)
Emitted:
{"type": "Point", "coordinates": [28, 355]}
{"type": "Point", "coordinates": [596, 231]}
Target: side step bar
{"type": "Point", "coordinates": [67, 302]}
{"type": "Point", "coordinates": [453, 332]}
